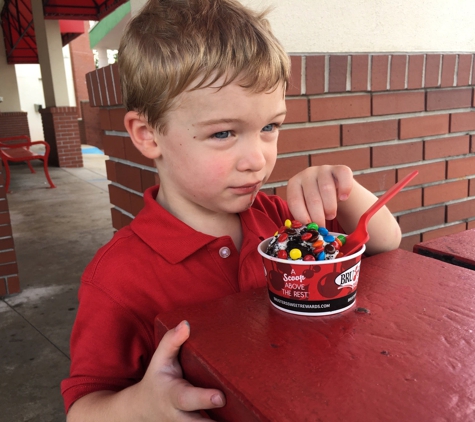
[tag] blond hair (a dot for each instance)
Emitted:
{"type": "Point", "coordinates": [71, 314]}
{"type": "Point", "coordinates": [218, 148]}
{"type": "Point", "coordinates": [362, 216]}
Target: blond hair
{"type": "Point", "coordinates": [172, 44]}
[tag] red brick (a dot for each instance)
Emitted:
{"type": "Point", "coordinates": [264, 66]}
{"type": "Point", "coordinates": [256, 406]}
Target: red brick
{"type": "Point", "coordinates": [398, 71]}
{"type": "Point", "coordinates": [315, 74]}
{"type": "Point", "coordinates": [432, 70]}
{"type": "Point", "coordinates": [297, 110]}
{"type": "Point", "coordinates": [111, 170]}
{"type": "Point", "coordinates": [5, 230]}
{"type": "Point", "coordinates": [359, 72]}
{"type": "Point", "coordinates": [448, 70]}
{"type": "Point", "coordinates": [117, 90]}
{"type": "Point", "coordinates": [7, 256]}
{"type": "Point", "coordinates": [415, 127]}
{"type": "Point", "coordinates": [445, 99]}
{"type": "Point", "coordinates": [136, 203]}
{"type": "Point", "coordinates": [461, 122]}
{"type": "Point", "coordinates": [368, 132]}
{"type": "Point", "coordinates": [428, 173]}
{"type": "Point", "coordinates": [308, 138]}
{"type": "Point", "coordinates": [13, 285]}
{"type": "Point", "coordinates": [405, 200]}
{"type": "Point", "coordinates": [464, 69]}
{"type": "Point", "coordinates": [408, 242]}
{"type": "Point", "coordinates": [414, 72]}
{"type": "Point", "coordinates": [287, 167]}
{"type": "Point", "coordinates": [104, 119]}
{"type": "Point", "coordinates": [109, 85]}
{"type": "Point", "coordinates": [471, 191]}
{"type": "Point", "coordinates": [396, 154]}
{"type": "Point", "coordinates": [445, 192]}
{"type": "Point", "coordinates": [377, 181]}
{"type": "Point", "coordinates": [3, 287]}
{"type": "Point", "coordinates": [418, 220]}
{"type": "Point", "coordinates": [356, 159]}
{"type": "Point", "coordinates": [398, 102]}
{"type": "Point", "coordinates": [460, 210]}
{"type": "Point", "coordinates": [117, 118]}
{"type": "Point", "coordinates": [114, 146]}
{"type": "Point", "coordinates": [281, 191]}
{"type": "Point", "coordinates": [93, 89]}
{"type": "Point", "coordinates": [446, 147]}
{"type": "Point", "coordinates": [6, 243]}
{"type": "Point", "coordinates": [460, 167]}
{"type": "Point", "coordinates": [340, 107]}
{"type": "Point", "coordinates": [116, 217]}
{"type": "Point", "coordinates": [149, 179]}
{"type": "Point", "coordinates": [134, 155]}
{"type": "Point", "coordinates": [129, 176]}
{"type": "Point", "coordinates": [338, 68]}
{"type": "Point", "coordinates": [379, 72]}
{"type": "Point", "coordinates": [8, 269]}
{"type": "Point", "coordinates": [444, 231]}
{"type": "Point", "coordinates": [472, 143]}
{"type": "Point", "coordinates": [268, 191]}
{"type": "Point", "coordinates": [102, 87]}
{"type": "Point", "coordinates": [119, 197]}
{"type": "Point", "coordinates": [471, 225]}
{"type": "Point", "coordinates": [295, 82]}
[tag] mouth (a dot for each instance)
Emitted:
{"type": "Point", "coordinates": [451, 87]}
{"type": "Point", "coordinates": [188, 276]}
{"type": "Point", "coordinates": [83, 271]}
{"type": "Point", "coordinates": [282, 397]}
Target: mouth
{"type": "Point", "coordinates": [246, 189]}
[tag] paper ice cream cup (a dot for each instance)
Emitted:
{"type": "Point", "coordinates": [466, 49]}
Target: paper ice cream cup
{"type": "Point", "coordinates": [312, 287]}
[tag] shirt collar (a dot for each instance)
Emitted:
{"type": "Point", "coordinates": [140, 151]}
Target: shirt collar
{"type": "Point", "coordinates": [164, 233]}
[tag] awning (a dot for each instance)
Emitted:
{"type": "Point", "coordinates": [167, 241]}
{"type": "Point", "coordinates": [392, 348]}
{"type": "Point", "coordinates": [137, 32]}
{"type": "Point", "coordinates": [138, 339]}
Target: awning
{"type": "Point", "coordinates": [18, 27]}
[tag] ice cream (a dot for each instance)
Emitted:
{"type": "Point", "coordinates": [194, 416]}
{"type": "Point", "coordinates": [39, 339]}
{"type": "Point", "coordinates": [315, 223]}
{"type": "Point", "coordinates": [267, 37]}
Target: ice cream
{"type": "Point", "coordinates": [295, 241]}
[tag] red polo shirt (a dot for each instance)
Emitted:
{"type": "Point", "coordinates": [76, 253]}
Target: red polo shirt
{"type": "Point", "coordinates": [156, 264]}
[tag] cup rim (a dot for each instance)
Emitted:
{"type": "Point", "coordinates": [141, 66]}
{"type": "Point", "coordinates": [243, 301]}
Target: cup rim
{"type": "Point", "coordinates": [261, 249]}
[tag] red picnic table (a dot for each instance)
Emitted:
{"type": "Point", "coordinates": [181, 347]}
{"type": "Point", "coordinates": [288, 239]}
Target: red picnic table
{"type": "Point", "coordinates": [404, 352]}
{"type": "Point", "coordinates": [457, 248]}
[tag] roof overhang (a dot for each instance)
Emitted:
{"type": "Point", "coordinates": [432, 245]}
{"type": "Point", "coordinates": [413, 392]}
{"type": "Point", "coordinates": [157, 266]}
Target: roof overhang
{"type": "Point", "coordinates": [19, 31]}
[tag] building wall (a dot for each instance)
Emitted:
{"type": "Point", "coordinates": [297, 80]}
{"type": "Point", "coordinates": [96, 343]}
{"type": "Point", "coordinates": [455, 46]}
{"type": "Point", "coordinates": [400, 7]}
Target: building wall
{"type": "Point", "coordinates": [374, 26]}
{"type": "Point", "coordinates": [382, 115]}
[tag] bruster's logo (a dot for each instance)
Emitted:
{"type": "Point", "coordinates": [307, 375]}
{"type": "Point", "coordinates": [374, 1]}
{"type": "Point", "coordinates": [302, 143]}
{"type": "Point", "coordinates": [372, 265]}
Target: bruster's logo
{"type": "Point", "coordinates": [348, 278]}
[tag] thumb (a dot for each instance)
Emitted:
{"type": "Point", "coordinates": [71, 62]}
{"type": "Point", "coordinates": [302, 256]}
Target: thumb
{"type": "Point", "coordinates": [169, 347]}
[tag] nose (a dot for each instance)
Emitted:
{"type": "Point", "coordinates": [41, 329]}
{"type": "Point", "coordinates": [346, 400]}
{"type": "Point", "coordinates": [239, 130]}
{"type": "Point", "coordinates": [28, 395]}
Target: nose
{"type": "Point", "coordinates": [253, 154]}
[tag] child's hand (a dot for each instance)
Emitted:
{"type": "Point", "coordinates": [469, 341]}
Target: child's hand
{"type": "Point", "coordinates": [162, 395]}
{"type": "Point", "coordinates": [313, 193]}
{"type": "Point", "coordinates": [168, 395]}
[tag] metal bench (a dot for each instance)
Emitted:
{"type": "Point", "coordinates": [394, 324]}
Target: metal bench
{"type": "Point", "coordinates": [17, 149]}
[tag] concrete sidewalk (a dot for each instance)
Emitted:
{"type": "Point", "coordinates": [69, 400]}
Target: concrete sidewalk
{"type": "Point", "coordinates": [56, 233]}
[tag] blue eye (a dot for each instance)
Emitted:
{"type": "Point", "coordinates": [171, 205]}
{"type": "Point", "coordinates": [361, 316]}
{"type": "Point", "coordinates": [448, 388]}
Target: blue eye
{"type": "Point", "coordinates": [269, 128]}
{"type": "Point", "coordinates": [222, 135]}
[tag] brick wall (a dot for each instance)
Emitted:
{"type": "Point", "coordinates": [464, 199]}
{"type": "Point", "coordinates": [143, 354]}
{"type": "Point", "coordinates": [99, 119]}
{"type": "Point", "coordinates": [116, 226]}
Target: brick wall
{"type": "Point", "coordinates": [382, 115]}
{"type": "Point", "coordinates": [9, 280]}
{"type": "Point", "coordinates": [13, 124]}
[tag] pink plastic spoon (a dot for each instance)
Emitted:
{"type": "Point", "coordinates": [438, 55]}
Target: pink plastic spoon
{"type": "Point", "coordinates": [355, 240]}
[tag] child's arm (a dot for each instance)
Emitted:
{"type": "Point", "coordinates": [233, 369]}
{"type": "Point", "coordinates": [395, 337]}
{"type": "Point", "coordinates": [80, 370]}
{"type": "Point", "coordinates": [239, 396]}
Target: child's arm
{"type": "Point", "coordinates": [162, 395]}
{"type": "Point", "coordinates": [326, 192]}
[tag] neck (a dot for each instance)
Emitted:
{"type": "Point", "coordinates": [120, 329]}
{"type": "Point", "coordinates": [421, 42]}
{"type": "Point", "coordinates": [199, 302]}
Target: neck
{"type": "Point", "coordinates": [205, 221]}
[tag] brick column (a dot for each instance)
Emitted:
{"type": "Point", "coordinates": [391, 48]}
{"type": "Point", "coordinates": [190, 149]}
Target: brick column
{"type": "Point", "coordinates": [61, 130]}
{"type": "Point", "coordinates": [9, 280]}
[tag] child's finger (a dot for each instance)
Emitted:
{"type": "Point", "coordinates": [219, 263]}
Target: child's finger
{"type": "Point", "coordinates": [187, 398]}
{"type": "Point", "coordinates": [169, 347]}
{"type": "Point", "coordinates": [344, 181]}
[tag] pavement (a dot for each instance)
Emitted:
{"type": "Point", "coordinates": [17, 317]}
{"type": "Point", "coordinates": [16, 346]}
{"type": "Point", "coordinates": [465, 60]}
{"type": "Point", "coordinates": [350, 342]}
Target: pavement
{"type": "Point", "coordinates": [56, 233]}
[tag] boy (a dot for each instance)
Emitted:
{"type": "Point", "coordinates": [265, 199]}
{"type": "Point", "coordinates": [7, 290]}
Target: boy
{"type": "Point", "coordinates": [204, 82]}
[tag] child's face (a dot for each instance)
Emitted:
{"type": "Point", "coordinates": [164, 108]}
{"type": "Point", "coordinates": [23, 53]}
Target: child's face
{"type": "Point", "coordinates": [219, 148]}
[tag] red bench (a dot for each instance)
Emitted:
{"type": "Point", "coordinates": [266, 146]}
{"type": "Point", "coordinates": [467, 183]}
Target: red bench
{"type": "Point", "coordinates": [17, 149]}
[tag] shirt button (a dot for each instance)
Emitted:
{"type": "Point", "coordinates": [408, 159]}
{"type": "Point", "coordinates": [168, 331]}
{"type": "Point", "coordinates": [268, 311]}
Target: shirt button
{"type": "Point", "coordinates": [224, 252]}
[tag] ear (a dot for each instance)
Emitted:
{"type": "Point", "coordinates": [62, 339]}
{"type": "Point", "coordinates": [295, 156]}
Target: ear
{"type": "Point", "coordinates": [142, 134]}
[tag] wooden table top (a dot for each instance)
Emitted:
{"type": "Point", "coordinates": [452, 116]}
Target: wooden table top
{"type": "Point", "coordinates": [457, 248]}
{"type": "Point", "coordinates": [404, 352]}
